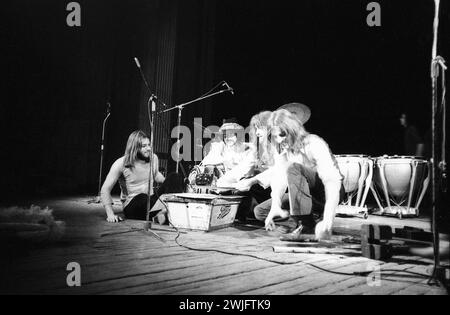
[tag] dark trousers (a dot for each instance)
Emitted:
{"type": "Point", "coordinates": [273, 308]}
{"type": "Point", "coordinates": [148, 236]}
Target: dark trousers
{"type": "Point", "coordinates": [137, 208]}
{"type": "Point", "coordinates": [254, 196]}
{"type": "Point", "coordinates": [305, 196]}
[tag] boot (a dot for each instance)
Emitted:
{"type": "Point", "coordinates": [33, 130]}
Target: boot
{"type": "Point", "coordinates": [305, 230]}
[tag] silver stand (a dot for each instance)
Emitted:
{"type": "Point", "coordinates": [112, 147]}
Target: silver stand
{"type": "Point", "coordinates": [436, 62]}
{"type": "Point", "coordinates": [151, 106]}
{"type": "Point", "coordinates": [102, 148]}
{"type": "Point", "coordinates": [180, 108]}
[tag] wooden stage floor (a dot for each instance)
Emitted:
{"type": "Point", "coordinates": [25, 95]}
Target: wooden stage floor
{"type": "Point", "coordinates": [123, 259]}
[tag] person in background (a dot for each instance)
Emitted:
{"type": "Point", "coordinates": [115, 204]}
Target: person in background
{"type": "Point", "coordinates": [413, 144]}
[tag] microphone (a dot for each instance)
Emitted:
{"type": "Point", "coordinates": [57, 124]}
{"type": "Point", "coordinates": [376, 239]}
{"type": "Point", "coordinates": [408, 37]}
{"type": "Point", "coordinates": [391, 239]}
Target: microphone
{"type": "Point", "coordinates": [108, 109]}
{"type": "Point", "coordinates": [229, 87]}
{"type": "Point", "coordinates": [145, 80]}
{"type": "Point", "coordinates": [137, 62]}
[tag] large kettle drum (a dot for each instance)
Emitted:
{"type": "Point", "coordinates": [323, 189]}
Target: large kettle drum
{"type": "Point", "coordinates": [357, 171]}
{"type": "Point", "coordinates": [399, 184]}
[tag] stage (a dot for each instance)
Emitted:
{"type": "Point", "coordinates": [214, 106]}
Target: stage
{"type": "Point", "coordinates": [123, 259]}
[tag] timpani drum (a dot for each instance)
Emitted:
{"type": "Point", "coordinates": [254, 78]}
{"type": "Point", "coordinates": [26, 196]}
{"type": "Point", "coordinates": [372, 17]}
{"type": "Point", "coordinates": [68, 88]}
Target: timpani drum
{"type": "Point", "coordinates": [357, 171]}
{"type": "Point", "coordinates": [399, 184]}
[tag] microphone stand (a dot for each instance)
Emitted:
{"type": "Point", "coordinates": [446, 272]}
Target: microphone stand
{"type": "Point", "coordinates": [151, 108]}
{"type": "Point", "coordinates": [102, 147]}
{"type": "Point", "coordinates": [437, 61]}
{"type": "Point", "coordinates": [180, 108]}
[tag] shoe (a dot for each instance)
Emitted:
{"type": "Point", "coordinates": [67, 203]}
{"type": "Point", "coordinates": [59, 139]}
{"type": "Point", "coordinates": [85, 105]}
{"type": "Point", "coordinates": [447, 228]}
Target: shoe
{"type": "Point", "coordinates": [300, 234]}
{"type": "Point", "coordinates": [283, 229]}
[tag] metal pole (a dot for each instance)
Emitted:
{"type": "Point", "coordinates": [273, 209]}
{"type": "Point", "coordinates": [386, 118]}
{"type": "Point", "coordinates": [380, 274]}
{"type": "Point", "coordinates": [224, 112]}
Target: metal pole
{"type": "Point", "coordinates": [178, 137]}
{"type": "Point", "coordinates": [97, 199]}
{"type": "Point", "coordinates": [151, 107]}
{"type": "Point", "coordinates": [102, 148]}
{"type": "Point", "coordinates": [434, 71]}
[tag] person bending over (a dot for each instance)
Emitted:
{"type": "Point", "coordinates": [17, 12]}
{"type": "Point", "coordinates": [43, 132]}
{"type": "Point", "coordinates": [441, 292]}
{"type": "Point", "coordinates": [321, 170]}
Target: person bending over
{"type": "Point", "coordinates": [305, 166]}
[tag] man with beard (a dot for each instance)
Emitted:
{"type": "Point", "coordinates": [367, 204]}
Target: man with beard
{"type": "Point", "coordinates": [229, 153]}
{"type": "Point", "coordinates": [132, 171]}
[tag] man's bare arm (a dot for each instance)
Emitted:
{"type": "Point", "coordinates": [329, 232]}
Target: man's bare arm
{"type": "Point", "coordinates": [108, 185]}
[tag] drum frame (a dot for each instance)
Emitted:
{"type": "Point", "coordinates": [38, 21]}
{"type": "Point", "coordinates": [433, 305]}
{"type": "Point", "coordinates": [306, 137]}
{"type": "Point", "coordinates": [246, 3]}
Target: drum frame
{"type": "Point", "coordinates": [400, 211]}
{"type": "Point", "coordinates": [364, 183]}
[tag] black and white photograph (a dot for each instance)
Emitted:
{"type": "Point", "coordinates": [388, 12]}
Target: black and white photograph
{"type": "Point", "coordinates": [223, 153]}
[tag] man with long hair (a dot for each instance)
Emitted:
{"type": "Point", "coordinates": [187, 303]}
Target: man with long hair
{"type": "Point", "coordinates": [255, 160]}
{"type": "Point", "coordinates": [305, 166]}
{"type": "Point", "coordinates": [253, 157]}
{"type": "Point", "coordinates": [258, 139]}
{"type": "Point", "coordinates": [132, 171]}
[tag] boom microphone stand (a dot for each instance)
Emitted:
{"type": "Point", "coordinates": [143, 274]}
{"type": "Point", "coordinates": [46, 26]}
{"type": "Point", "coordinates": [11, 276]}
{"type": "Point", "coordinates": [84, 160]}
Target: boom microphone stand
{"type": "Point", "coordinates": [102, 147]}
{"type": "Point", "coordinates": [181, 106]}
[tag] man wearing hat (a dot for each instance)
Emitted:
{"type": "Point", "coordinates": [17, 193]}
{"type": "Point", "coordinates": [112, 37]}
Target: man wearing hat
{"type": "Point", "coordinates": [230, 152]}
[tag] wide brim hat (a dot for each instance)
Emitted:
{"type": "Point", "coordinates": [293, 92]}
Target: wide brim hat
{"type": "Point", "coordinates": [230, 124]}
{"type": "Point", "coordinates": [300, 110]}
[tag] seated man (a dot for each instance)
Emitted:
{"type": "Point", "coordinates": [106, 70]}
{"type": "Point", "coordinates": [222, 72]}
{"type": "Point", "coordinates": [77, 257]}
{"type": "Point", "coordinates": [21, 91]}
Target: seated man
{"type": "Point", "coordinates": [132, 171]}
{"type": "Point", "coordinates": [235, 157]}
{"type": "Point", "coordinates": [230, 153]}
{"type": "Point", "coordinates": [306, 167]}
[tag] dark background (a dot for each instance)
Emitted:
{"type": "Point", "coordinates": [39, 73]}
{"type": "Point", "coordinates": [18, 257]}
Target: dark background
{"type": "Point", "coordinates": [356, 79]}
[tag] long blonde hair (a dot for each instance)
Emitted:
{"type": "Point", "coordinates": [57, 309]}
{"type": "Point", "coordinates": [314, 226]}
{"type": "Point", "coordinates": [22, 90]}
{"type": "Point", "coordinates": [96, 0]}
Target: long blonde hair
{"type": "Point", "coordinates": [291, 125]}
{"type": "Point", "coordinates": [134, 144]}
{"type": "Point", "coordinates": [263, 151]}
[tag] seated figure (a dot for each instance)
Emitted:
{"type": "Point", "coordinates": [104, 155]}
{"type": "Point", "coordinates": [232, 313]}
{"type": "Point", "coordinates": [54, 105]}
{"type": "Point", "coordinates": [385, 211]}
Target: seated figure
{"type": "Point", "coordinates": [226, 156]}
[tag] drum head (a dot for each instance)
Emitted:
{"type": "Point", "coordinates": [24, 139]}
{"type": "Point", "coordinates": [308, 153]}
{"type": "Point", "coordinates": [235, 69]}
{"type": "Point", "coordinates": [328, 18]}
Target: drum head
{"type": "Point", "coordinates": [399, 159]}
{"type": "Point", "coordinates": [300, 110]}
{"type": "Point", "coordinates": [354, 168]}
{"type": "Point", "coordinates": [400, 172]}
{"type": "Point", "coordinates": [352, 156]}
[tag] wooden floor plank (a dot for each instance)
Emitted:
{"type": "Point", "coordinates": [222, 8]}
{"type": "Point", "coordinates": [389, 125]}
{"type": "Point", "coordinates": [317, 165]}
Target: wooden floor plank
{"type": "Point", "coordinates": [123, 259]}
{"type": "Point", "coordinates": [337, 285]}
{"type": "Point", "coordinates": [188, 279]}
{"type": "Point", "coordinates": [261, 282]}
{"type": "Point", "coordinates": [308, 277]}
{"type": "Point", "coordinates": [170, 280]}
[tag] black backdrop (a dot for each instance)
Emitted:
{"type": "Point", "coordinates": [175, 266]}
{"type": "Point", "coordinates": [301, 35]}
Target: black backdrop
{"type": "Point", "coordinates": [356, 79]}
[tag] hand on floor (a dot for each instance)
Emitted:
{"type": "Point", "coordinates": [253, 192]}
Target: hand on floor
{"type": "Point", "coordinates": [274, 213]}
{"type": "Point", "coordinates": [323, 231]}
{"type": "Point", "coordinates": [114, 219]}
